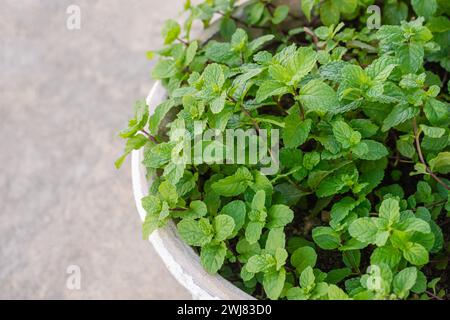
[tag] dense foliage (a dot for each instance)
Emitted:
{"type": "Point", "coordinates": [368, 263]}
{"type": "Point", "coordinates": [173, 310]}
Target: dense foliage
{"type": "Point", "coordinates": [360, 208]}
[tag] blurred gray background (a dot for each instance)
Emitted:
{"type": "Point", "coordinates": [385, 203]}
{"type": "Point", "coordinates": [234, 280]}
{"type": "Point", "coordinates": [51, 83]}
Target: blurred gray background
{"type": "Point", "coordinates": [63, 97]}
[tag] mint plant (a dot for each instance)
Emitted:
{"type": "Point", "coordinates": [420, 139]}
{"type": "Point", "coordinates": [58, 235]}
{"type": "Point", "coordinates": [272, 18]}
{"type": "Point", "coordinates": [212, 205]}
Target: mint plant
{"type": "Point", "coordinates": [359, 207]}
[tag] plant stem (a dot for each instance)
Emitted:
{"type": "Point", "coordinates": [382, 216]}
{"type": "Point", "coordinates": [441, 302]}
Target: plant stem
{"type": "Point", "coordinates": [433, 295]}
{"type": "Point", "coordinates": [399, 160]}
{"type": "Point", "coordinates": [183, 42]}
{"type": "Point", "coordinates": [422, 159]}
{"type": "Point", "coordinates": [150, 137]}
{"type": "Point", "coordinates": [435, 204]}
{"type": "Point", "coordinates": [313, 36]}
{"type": "Point", "coordinates": [302, 111]}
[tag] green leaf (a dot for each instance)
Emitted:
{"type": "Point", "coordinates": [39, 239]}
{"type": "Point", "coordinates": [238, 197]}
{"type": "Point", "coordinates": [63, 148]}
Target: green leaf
{"type": "Point", "coordinates": [260, 263]}
{"type": "Point", "coordinates": [441, 163]}
{"type": "Point", "coordinates": [281, 256]}
{"type": "Point", "coordinates": [280, 73]}
{"type": "Point", "coordinates": [352, 258]}
{"type": "Point", "coordinates": [326, 238]}
{"type": "Point", "coordinates": [346, 6]}
{"type": "Point", "coordinates": [233, 185]}
{"type": "Point", "coordinates": [239, 40]}
{"type": "Point", "coordinates": [224, 226]}
{"type": "Point", "coordinates": [296, 132]}
{"type": "Point", "coordinates": [255, 13]}
{"type": "Point", "coordinates": [157, 212]}
{"type": "Point", "coordinates": [218, 103]}
{"type": "Point", "coordinates": [398, 115]}
{"type": "Point", "coordinates": [375, 150]}
{"type": "Point", "coordinates": [133, 143]}
{"type": "Point", "coordinates": [300, 64]}
{"type": "Point", "coordinates": [345, 135]}
{"type": "Point", "coordinates": [406, 147]}
{"type": "Point", "coordinates": [416, 254]}
{"type": "Point", "coordinates": [438, 24]}
{"type": "Point", "coordinates": [297, 293]}
{"type": "Point", "coordinates": [192, 233]}
{"type": "Point", "coordinates": [280, 14]}
{"type": "Point", "coordinates": [335, 183]}
{"type": "Point", "coordinates": [221, 53]}
{"type": "Point", "coordinates": [307, 278]}
{"type": "Point", "coordinates": [404, 281]}
{"type": "Point", "coordinates": [390, 210]}
{"type": "Point", "coordinates": [259, 200]}
{"type": "Point", "coordinates": [424, 8]}
{"type": "Point", "coordinates": [273, 283]}
{"type": "Point", "coordinates": [168, 192]}
{"type": "Point", "coordinates": [275, 240]}
{"type": "Point", "coordinates": [212, 257]}
{"type": "Point", "coordinates": [171, 31]}
{"type": "Point", "coordinates": [164, 69]}
{"type": "Point", "coordinates": [253, 231]}
{"type": "Point", "coordinates": [151, 224]}
{"type": "Point", "coordinates": [236, 210]}
{"type": "Point", "coordinates": [214, 76]}
{"type": "Point", "coordinates": [279, 216]}
{"type": "Point", "coordinates": [307, 6]}
{"type": "Point", "coordinates": [160, 112]}
{"type": "Point", "coordinates": [319, 97]}
{"type": "Point", "coordinates": [381, 68]}
{"type": "Point", "coordinates": [421, 283]}
{"type": "Point", "coordinates": [256, 44]}
{"type": "Point", "coordinates": [364, 230]}
{"type": "Point", "coordinates": [354, 76]}
{"type": "Point", "coordinates": [387, 255]}
{"type": "Point", "coordinates": [337, 275]}
{"type": "Point", "coordinates": [311, 160]}
{"type": "Point", "coordinates": [138, 122]}
{"type": "Point", "coordinates": [262, 183]}
{"type": "Point", "coordinates": [227, 28]}
{"type": "Point", "coordinates": [158, 156]}
{"type": "Point", "coordinates": [270, 89]}
{"type": "Point", "coordinates": [191, 52]}
{"type": "Point", "coordinates": [152, 204]}
{"type": "Point", "coordinates": [197, 209]}
{"type": "Point", "coordinates": [414, 224]}
{"type": "Point", "coordinates": [410, 57]}
{"type": "Point", "coordinates": [389, 35]}
{"type": "Point", "coordinates": [303, 257]}
{"type": "Point", "coordinates": [394, 13]}
{"type": "Point", "coordinates": [437, 112]}
{"type": "Point", "coordinates": [432, 132]}
{"type": "Point", "coordinates": [329, 13]}
{"type": "Point", "coordinates": [424, 192]}
{"type": "Point", "coordinates": [336, 293]}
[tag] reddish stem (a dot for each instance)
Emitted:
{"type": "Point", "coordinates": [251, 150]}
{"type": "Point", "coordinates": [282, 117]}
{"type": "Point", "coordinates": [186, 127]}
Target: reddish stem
{"type": "Point", "coordinates": [150, 137]}
{"type": "Point", "coordinates": [422, 159]}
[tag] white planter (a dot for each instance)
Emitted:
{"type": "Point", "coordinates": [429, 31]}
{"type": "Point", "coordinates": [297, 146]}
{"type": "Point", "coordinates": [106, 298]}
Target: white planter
{"type": "Point", "coordinates": [179, 258]}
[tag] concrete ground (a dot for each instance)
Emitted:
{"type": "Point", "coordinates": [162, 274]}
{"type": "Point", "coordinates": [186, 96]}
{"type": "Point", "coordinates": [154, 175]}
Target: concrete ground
{"type": "Point", "coordinates": [63, 97]}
